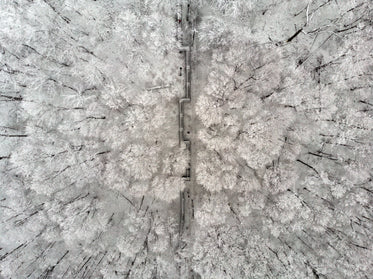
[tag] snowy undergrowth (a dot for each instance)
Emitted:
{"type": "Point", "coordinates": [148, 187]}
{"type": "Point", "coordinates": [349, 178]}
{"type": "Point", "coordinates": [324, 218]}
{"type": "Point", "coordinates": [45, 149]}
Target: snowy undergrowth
{"type": "Point", "coordinates": [88, 183]}
{"type": "Point", "coordinates": [90, 163]}
{"type": "Point", "coordinates": [285, 139]}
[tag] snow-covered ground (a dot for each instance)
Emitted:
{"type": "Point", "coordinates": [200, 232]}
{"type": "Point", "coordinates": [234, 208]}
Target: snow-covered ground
{"type": "Point", "coordinates": [280, 121]}
{"type": "Point", "coordinates": [284, 151]}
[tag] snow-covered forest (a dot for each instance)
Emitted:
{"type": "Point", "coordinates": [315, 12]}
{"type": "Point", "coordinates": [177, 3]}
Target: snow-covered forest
{"type": "Point", "coordinates": [280, 123]}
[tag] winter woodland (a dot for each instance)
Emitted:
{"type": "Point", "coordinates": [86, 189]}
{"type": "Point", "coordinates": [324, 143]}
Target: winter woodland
{"type": "Point", "coordinates": [281, 125]}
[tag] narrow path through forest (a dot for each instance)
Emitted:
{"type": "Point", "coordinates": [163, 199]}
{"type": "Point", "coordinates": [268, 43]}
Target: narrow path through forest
{"type": "Point", "coordinates": [184, 133]}
{"type": "Point", "coordinates": [186, 128]}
